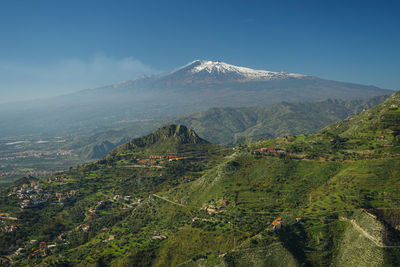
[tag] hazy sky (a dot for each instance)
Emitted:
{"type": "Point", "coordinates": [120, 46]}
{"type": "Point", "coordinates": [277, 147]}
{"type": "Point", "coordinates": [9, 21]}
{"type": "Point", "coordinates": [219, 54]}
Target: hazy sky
{"type": "Point", "coordinates": [52, 47]}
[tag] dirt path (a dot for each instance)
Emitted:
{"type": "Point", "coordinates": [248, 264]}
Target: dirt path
{"type": "Point", "coordinates": [163, 198]}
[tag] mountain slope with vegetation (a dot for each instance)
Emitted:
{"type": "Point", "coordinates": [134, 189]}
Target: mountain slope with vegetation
{"type": "Point", "coordinates": [240, 125]}
{"type": "Point", "coordinates": [174, 199]}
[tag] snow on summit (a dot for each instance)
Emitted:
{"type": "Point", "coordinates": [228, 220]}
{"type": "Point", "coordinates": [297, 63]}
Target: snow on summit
{"type": "Point", "coordinates": [243, 73]}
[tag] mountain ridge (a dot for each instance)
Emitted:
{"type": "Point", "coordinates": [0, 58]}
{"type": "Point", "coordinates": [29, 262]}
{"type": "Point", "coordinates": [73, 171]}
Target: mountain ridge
{"type": "Point", "coordinates": [187, 90]}
{"type": "Point", "coordinates": [235, 125]}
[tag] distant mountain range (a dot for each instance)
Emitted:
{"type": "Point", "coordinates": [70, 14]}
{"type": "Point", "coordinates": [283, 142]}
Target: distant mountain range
{"type": "Point", "coordinates": [242, 125]}
{"type": "Point", "coordinates": [233, 126]}
{"type": "Point", "coordinates": [191, 88]}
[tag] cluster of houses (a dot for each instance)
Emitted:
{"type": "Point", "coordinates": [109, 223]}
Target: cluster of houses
{"type": "Point", "coordinates": [269, 151]}
{"type": "Point", "coordinates": [159, 159]}
{"type": "Point", "coordinates": [32, 195]}
{"type": "Point", "coordinates": [36, 154]}
{"type": "Point", "coordinates": [43, 249]}
{"type": "Point", "coordinates": [8, 228]}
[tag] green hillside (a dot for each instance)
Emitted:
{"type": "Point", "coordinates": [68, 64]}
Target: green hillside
{"type": "Point", "coordinates": [173, 199]}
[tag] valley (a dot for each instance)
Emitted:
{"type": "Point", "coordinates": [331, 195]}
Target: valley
{"type": "Point", "coordinates": [325, 198]}
{"type": "Point", "coordinates": [34, 156]}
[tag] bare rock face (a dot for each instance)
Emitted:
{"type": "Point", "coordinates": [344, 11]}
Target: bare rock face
{"type": "Point", "coordinates": [178, 132]}
{"type": "Point", "coordinates": [169, 139]}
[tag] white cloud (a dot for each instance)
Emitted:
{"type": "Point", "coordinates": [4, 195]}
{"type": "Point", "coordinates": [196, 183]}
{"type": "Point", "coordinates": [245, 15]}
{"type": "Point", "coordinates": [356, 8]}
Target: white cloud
{"type": "Point", "coordinates": [20, 81]}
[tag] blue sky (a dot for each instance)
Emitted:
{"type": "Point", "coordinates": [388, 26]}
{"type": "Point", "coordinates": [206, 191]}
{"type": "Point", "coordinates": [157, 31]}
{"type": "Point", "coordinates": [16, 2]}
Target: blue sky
{"type": "Point", "coordinates": [53, 47]}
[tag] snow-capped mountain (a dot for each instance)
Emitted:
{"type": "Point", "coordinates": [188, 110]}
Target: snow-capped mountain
{"type": "Point", "coordinates": [213, 71]}
{"type": "Point", "coordinates": [206, 72]}
{"type": "Point", "coordinates": [194, 87]}
{"type": "Point", "coordinates": [222, 68]}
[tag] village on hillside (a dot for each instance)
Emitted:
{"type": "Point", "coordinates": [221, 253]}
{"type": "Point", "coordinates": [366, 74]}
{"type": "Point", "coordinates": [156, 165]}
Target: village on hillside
{"type": "Point", "coordinates": [156, 160]}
